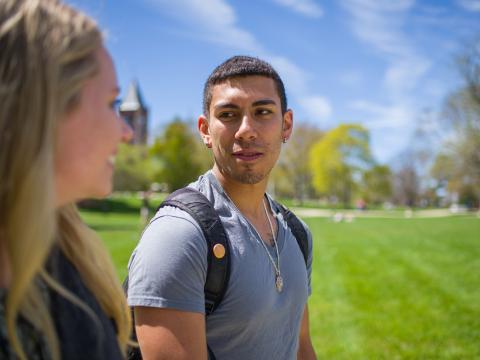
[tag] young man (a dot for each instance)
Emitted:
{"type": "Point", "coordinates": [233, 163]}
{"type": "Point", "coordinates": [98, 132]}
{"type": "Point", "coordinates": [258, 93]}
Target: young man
{"type": "Point", "coordinates": [264, 313]}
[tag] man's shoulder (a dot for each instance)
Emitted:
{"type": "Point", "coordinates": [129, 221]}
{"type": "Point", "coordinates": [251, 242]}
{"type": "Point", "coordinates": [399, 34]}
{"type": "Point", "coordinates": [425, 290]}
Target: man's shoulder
{"type": "Point", "coordinates": [174, 227]}
{"type": "Point", "coordinates": [283, 209]}
{"type": "Point", "coordinates": [297, 226]}
{"type": "Point", "coordinates": [182, 207]}
{"type": "Point", "coordinates": [170, 213]}
{"type": "Point", "coordinates": [180, 218]}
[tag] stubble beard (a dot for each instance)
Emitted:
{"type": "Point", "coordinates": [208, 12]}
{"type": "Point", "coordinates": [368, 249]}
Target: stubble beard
{"type": "Point", "coordinates": [248, 175]}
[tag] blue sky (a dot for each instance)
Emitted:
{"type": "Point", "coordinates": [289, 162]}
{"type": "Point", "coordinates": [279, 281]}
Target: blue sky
{"type": "Point", "coordinates": [381, 63]}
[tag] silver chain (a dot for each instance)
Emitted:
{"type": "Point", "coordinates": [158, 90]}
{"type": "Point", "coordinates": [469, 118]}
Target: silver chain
{"type": "Point", "coordinates": [277, 265]}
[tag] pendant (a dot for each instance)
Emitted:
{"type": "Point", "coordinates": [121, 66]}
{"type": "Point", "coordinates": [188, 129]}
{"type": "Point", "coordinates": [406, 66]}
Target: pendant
{"type": "Point", "coordinates": [279, 282]}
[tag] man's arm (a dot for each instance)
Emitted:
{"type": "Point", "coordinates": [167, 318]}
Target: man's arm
{"type": "Point", "coordinates": [305, 347]}
{"type": "Point", "coordinates": [170, 334]}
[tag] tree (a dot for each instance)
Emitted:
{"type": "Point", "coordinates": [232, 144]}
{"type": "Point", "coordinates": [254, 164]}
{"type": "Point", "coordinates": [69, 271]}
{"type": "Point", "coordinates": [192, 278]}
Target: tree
{"type": "Point", "coordinates": [462, 117]}
{"type": "Point", "coordinates": [377, 184]}
{"type": "Point", "coordinates": [201, 155]}
{"type": "Point", "coordinates": [174, 151]}
{"type": "Point", "coordinates": [469, 66]}
{"type": "Point", "coordinates": [134, 170]}
{"type": "Point", "coordinates": [411, 177]}
{"type": "Point", "coordinates": [338, 160]}
{"type": "Point", "coordinates": [292, 176]}
{"type": "Point", "coordinates": [406, 183]}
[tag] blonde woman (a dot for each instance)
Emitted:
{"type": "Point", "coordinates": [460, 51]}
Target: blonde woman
{"type": "Point", "coordinates": [59, 131]}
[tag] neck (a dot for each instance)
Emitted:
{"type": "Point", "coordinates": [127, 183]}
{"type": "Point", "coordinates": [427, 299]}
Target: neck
{"type": "Point", "coordinates": [247, 198]}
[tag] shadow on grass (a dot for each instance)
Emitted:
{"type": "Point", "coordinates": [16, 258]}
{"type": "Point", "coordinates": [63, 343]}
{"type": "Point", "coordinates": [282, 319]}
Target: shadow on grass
{"type": "Point", "coordinates": [112, 205]}
{"type": "Point", "coordinates": [117, 227]}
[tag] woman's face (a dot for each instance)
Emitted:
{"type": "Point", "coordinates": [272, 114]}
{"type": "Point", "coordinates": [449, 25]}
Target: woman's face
{"type": "Point", "coordinates": [88, 137]}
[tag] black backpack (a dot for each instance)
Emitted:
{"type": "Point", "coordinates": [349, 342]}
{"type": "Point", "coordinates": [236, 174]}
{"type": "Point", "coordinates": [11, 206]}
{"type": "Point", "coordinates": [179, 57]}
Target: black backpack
{"type": "Point", "coordinates": [199, 207]}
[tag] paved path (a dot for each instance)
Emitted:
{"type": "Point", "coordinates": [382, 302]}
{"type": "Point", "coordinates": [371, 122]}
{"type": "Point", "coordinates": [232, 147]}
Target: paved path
{"type": "Point", "coordinates": [395, 214]}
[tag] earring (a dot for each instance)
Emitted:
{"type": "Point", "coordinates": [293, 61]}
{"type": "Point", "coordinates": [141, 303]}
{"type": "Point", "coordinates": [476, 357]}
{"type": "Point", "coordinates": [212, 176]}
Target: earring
{"type": "Point", "coordinates": [284, 140]}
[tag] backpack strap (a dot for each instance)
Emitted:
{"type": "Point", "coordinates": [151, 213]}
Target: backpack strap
{"type": "Point", "coordinates": [201, 209]}
{"type": "Point", "coordinates": [296, 227]}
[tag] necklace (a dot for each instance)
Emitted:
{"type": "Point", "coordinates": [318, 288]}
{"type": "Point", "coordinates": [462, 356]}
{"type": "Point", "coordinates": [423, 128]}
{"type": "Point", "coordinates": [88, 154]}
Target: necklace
{"type": "Point", "coordinates": [278, 275]}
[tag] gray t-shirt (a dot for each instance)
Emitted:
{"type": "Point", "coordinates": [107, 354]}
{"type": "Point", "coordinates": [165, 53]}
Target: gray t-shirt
{"type": "Point", "coordinates": [168, 270]}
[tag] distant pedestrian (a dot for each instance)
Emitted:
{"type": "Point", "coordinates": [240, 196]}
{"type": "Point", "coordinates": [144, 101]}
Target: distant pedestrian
{"type": "Point", "coordinates": [145, 207]}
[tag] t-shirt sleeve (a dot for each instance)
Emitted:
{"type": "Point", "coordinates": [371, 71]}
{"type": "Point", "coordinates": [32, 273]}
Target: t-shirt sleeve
{"type": "Point", "coordinates": [169, 265]}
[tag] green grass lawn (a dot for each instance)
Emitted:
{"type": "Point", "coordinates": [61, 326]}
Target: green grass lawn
{"type": "Point", "coordinates": [120, 232]}
{"type": "Point", "coordinates": [382, 288]}
{"type": "Point", "coordinates": [388, 289]}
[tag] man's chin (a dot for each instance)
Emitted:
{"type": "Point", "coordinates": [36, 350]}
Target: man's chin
{"type": "Point", "coordinates": [249, 178]}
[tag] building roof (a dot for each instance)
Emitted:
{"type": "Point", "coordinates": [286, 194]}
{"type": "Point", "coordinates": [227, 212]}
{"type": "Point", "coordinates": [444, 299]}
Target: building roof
{"type": "Point", "coordinates": [133, 100]}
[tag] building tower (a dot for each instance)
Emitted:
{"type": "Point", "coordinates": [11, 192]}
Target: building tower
{"type": "Point", "coordinates": [135, 113]}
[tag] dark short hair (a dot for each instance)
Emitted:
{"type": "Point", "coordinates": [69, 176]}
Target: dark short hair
{"type": "Point", "coordinates": [242, 66]}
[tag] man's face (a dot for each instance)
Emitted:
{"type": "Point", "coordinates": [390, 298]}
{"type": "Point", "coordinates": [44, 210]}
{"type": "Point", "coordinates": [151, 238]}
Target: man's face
{"type": "Point", "coordinates": [246, 128]}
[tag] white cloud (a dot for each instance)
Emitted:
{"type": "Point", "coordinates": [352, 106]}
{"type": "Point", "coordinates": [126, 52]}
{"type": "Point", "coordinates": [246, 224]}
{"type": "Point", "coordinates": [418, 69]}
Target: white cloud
{"type": "Point", "coordinates": [470, 5]}
{"type": "Point", "coordinates": [379, 24]}
{"type": "Point", "coordinates": [351, 78]}
{"type": "Point", "coordinates": [305, 7]}
{"type": "Point", "coordinates": [215, 21]}
{"type": "Point", "coordinates": [295, 78]}
{"type": "Point", "coordinates": [377, 116]}
{"type": "Point", "coordinates": [316, 107]}
{"type": "Point", "coordinates": [390, 126]}
{"type": "Point", "coordinates": [403, 75]}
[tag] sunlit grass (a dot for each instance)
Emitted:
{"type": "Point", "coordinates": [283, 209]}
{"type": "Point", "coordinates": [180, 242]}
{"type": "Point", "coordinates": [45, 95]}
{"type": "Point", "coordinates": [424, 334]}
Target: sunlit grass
{"type": "Point", "coordinates": [382, 289]}
{"type": "Point", "coordinates": [396, 289]}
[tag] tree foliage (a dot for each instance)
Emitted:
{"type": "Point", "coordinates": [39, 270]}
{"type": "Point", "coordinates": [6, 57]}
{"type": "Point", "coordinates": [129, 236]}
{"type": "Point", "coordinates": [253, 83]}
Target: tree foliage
{"type": "Point", "coordinates": [469, 66]}
{"type": "Point", "coordinates": [174, 152]}
{"type": "Point", "coordinates": [377, 184]}
{"type": "Point", "coordinates": [407, 183]}
{"type": "Point", "coordinates": [134, 170]}
{"type": "Point", "coordinates": [338, 160]}
{"type": "Point", "coordinates": [292, 176]}
{"type": "Point", "coordinates": [458, 165]}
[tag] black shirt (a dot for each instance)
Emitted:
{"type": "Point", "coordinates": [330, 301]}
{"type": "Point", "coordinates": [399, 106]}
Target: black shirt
{"type": "Point", "coordinates": [81, 336]}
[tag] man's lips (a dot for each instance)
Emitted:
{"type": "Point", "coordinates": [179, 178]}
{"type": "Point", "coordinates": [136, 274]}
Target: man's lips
{"type": "Point", "coordinates": [247, 155]}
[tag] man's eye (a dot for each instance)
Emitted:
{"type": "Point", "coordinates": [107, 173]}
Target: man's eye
{"type": "Point", "coordinates": [226, 115]}
{"type": "Point", "coordinates": [264, 112]}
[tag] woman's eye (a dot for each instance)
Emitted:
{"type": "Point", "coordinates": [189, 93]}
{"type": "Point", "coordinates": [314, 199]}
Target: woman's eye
{"type": "Point", "coordinates": [115, 105]}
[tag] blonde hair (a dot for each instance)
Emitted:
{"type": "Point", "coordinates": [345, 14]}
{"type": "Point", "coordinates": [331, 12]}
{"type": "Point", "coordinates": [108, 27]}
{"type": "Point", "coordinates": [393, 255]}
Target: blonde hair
{"type": "Point", "coordinates": [48, 52]}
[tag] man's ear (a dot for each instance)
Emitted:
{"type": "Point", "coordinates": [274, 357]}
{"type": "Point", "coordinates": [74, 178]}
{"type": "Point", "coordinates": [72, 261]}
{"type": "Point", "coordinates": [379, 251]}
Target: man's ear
{"type": "Point", "coordinates": [204, 130]}
{"type": "Point", "coordinates": [287, 125]}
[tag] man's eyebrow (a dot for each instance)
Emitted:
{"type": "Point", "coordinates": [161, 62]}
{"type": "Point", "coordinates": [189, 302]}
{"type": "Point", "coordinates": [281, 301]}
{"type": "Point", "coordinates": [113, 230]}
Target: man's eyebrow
{"type": "Point", "coordinates": [264, 102]}
{"type": "Point", "coordinates": [226, 105]}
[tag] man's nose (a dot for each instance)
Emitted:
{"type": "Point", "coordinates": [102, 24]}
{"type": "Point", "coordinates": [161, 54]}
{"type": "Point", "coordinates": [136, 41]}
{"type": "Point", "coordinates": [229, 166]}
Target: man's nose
{"type": "Point", "coordinates": [247, 129]}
